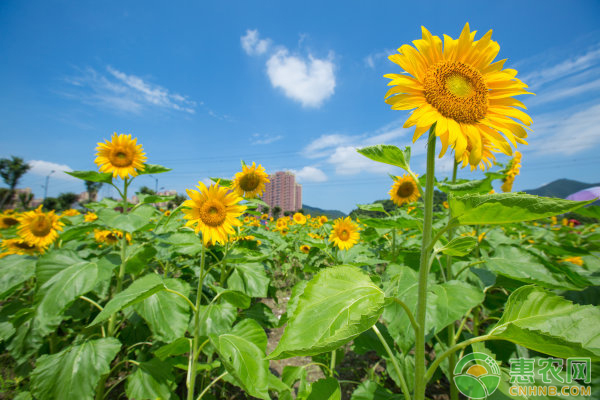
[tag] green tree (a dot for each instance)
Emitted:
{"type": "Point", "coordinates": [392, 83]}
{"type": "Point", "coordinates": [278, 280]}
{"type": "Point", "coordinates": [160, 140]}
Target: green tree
{"type": "Point", "coordinates": [66, 200]}
{"type": "Point", "coordinates": [301, 211]}
{"type": "Point", "coordinates": [51, 203]}
{"type": "Point", "coordinates": [176, 202]}
{"type": "Point", "coordinates": [25, 199]}
{"type": "Point", "coordinates": [265, 209]}
{"type": "Point", "coordinates": [92, 188]}
{"type": "Point", "coordinates": [11, 171]}
{"type": "Point", "coordinates": [146, 190]}
{"type": "Point", "coordinates": [287, 213]}
{"type": "Point", "coordinates": [276, 212]}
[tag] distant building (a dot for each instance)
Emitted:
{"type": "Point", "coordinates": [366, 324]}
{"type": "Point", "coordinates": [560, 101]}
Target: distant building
{"type": "Point", "coordinates": [283, 191]}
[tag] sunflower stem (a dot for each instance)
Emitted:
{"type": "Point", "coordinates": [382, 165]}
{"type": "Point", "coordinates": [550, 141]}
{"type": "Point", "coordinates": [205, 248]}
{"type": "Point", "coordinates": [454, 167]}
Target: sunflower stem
{"type": "Point", "coordinates": [423, 269]}
{"type": "Point", "coordinates": [451, 327]}
{"type": "Point", "coordinates": [194, 353]}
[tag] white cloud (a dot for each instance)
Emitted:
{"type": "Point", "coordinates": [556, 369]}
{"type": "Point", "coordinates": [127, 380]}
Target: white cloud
{"type": "Point", "coordinates": [323, 145]}
{"type": "Point", "coordinates": [310, 174]}
{"type": "Point", "coordinates": [44, 168]}
{"type": "Point", "coordinates": [564, 91]}
{"type": "Point", "coordinates": [566, 133]}
{"type": "Point", "coordinates": [127, 93]}
{"type": "Point", "coordinates": [372, 59]}
{"type": "Point", "coordinates": [310, 81]}
{"type": "Point", "coordinates": [252, 45]}
{"type": "Point", "coordinates": [564, 68]}
{"type": "Point", "coordinates": [259, 139]}
{"type": "Point", "coordinates": [347, 161]}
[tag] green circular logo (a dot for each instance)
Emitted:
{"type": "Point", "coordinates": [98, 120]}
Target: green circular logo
{"type": "Point", "coordinates": [477, 375]}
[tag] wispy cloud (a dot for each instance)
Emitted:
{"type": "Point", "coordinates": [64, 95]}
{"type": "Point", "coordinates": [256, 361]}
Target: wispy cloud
{"type": "Point", "coordinates": [372, 59]}
{"type": "Point", "coordinates": [309, 80]}
{"type": "Point", "coordinates": [45, 168]}
{"type": "Point", "coordinates": [567, 133]}
{"type": "Point", "coordinates": [339, 150]}
{"type": "Point", "coordinates": [125, 93]}
{"type": "Point", "coordinates": [252, 44]}
{"type": "Point", "coordinates": [258, 139]}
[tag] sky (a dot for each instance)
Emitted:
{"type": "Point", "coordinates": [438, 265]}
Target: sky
{"type": "Point", "coordinates": [291, 86]}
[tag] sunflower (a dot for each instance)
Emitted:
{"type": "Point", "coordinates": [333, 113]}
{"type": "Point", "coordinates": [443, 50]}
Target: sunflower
{"type": "Point", "coordinates": [299, 218]}
{"type": "Point", "coordinates": [574, 260]}
{"type": "Point", "coordinates": [90, 217]}
{"type": "Point", "coordinates": [264, 217]}
{"type": "Point", "coordinates": [344, 233]}
{"type": "Point", "coordinates": [305, 248]}
{"type": "Point", "coordinates": [214, 211]}
{"type": "Point", "coordinates": [71, 212]}
{"type": "Point", "coordinates": [110, 237]}
{"type": "Point", "coordinates": [251, 181]}
{"type": "Point", "coordinates": [457, 87]}
{"type": "Point", "coordinates": [8, 219]}
{"type": "Point", "coordinates": [404, 190]}
{"type": "Point", "coordinates": [121, 156]}
{"type": "Point", "coordinates": [38, 228]}
{"type": "Point", "coordinates": [19, 246]}
{"type": "Point", "coordinates": [323, 219]}
{"type": "Point", "coordinates": [282, 223]}
{"type": "Point", "coordinates": [514, 169]}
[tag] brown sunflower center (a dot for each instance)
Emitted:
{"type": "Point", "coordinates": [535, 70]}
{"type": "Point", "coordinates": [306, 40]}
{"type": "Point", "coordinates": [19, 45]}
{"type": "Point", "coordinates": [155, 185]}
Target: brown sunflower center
{"type": "Point", "coordinates": [112, 237]}
{"type": "Point", "coordinates": [213, 213]}
{"type": "Point", "coordinates": [406, 189]}
{"type": "Point", "coordinates": [249, 182]}
{"type": "Point", "coordinates": [457, 91]}
{"type": "Point", "coordinates": [121, 157]}
{"type": "Point", "coordinates": [8, 221]}
{"type": "Point", "coordinates": [40, 226]}
{"type": "Point", "coordinates": [344, 234]}
{"type": "Point", "coordinates": [24, 246]}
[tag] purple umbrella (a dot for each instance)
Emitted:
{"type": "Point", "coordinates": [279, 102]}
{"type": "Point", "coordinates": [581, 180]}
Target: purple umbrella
{"type": "Point", "coordinates": [586, 194]}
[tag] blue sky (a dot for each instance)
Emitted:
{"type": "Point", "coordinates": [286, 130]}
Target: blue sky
{"type": "Point", "coordinates": [291, 86]}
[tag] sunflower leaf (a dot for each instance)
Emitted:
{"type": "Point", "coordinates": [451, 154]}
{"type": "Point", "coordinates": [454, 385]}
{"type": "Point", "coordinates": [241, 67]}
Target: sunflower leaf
{"type": "Point", "coordinates": [388, 154]}
{"type": "Point", "coordinates": [92, 176]}
{"type": "Point", "coordinates": [502, 208]}
{"type": "Point", "coordinates": [153, 169]}
{"type": "Point", "coordinates": [222, 182]}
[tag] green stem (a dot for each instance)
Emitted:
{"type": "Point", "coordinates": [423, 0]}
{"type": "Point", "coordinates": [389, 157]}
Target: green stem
{"type": "Point", "coordinates": [111, 321]}
{"type": "Point", "coordinates": [210, 384]}
{"type": "Point", "coordinates": [332, 364]}
{"type": "Point", "coordinates": [451, 327]}
{"type": "Point", "coordinates": [194, 353]}
{"type": "Point", "coordinates": [408, 312]}
{"type": "Point", "coordinates": [453, 350]}
{"type": "Point", "coordinates": [423, 269]}
{"type": "Point", "coordinates": [394, 245]}
{"type": "Point", "coordinates": [403, 384]}
{"type": "Point", "coordinates": [175, 292]}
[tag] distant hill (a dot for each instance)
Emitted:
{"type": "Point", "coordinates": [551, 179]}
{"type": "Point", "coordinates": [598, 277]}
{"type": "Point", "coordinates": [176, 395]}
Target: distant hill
{"type": "Point", "coordinates": [560, 188]}
{"type": "Point", "coordinates": [314, 211]}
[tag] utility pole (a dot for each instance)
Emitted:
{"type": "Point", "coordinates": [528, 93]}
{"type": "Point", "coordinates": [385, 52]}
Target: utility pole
{"type": "Point", "coordinates": [155, 183]}
{"type": "Point", "coordinates": [46, 185]}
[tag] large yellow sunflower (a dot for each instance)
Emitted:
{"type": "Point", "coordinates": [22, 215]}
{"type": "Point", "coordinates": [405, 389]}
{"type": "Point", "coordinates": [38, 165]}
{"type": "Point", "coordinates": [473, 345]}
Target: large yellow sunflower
{"type": "Point", "coordinates": [122, 156]}
{"type": "Point", "coordinates": [404, 190]}
{"type": "Point", "coordinates": [18, 246]}
{"type": "Point", "coordinates": [214, 211]}
{"type": "Point", "coordinates": [299, 218]}
{"type": "Point", "coordinates": [344, 233]}
{"type": "Point", "coordinates": [251, 181]}
{"type": "Point", "coordinates": [38, 228]}
{"type": "Point", "coordinates": [7, 220]}
{"type": "Point", "coordinates": [457, 87]}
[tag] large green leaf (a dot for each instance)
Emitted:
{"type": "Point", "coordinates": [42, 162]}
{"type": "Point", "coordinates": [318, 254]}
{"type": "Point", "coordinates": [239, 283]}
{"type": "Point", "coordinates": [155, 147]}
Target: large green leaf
{"type": "Point", "coordinates": [242, 351]}
{"type": "Point", "coordinates": [388, 154]}
{"type": "Point", "coordinates": [166, 313]}
{"type": "Point", "coordinates": [589, 211]}
{"type": "Point", "coordinates": [92, 176]}
{"type": "Point", "coordinates": [446, 303]}
{"type": "Point", "coordinates": [130, 222]}
{"type": "Point", "coordinates": [75, 371]}
{"type": "Point", "coordinates": [337, 305]}
{"type": "Point", "coordinates": [136, 292]}
{"type": "Point", "coordinates": [516, 263]}
{"type": "Point", "coordinates": [250, 279]}
{"type": "Point", "coordinates": [51, 301]}
{"type": "Point", "coordinates": [53, 262]}
{"type": "Point", "coordinates": [459, 246]}
{"type": "Point", "coordinates": [475, 186]}
{"type": "Point", "coordinates": [502, 208]}
{"type": "Point", "coordinates": [370, 390]}
{"type": "Point", "coordinates": [14, 270]}
{"type": "Point", "coordinates": [545, 322]}
{"type": "Point", "coordinates": [216, 318]}
{"type": "Point", "coordinates": [151, 380]}
{"type": "Point", "coordinates": [153, 169]}
{"type": "Point", "coordinates": [325, 389]}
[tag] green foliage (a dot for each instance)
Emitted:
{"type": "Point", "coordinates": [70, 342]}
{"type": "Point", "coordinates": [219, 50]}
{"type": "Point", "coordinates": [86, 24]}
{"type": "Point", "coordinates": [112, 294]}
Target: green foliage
{"type": "Point", "coordinates": [388, 154]}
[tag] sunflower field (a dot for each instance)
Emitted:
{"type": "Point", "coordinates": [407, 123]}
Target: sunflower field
{"type": "Point", "coordinates": [218, 300]}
